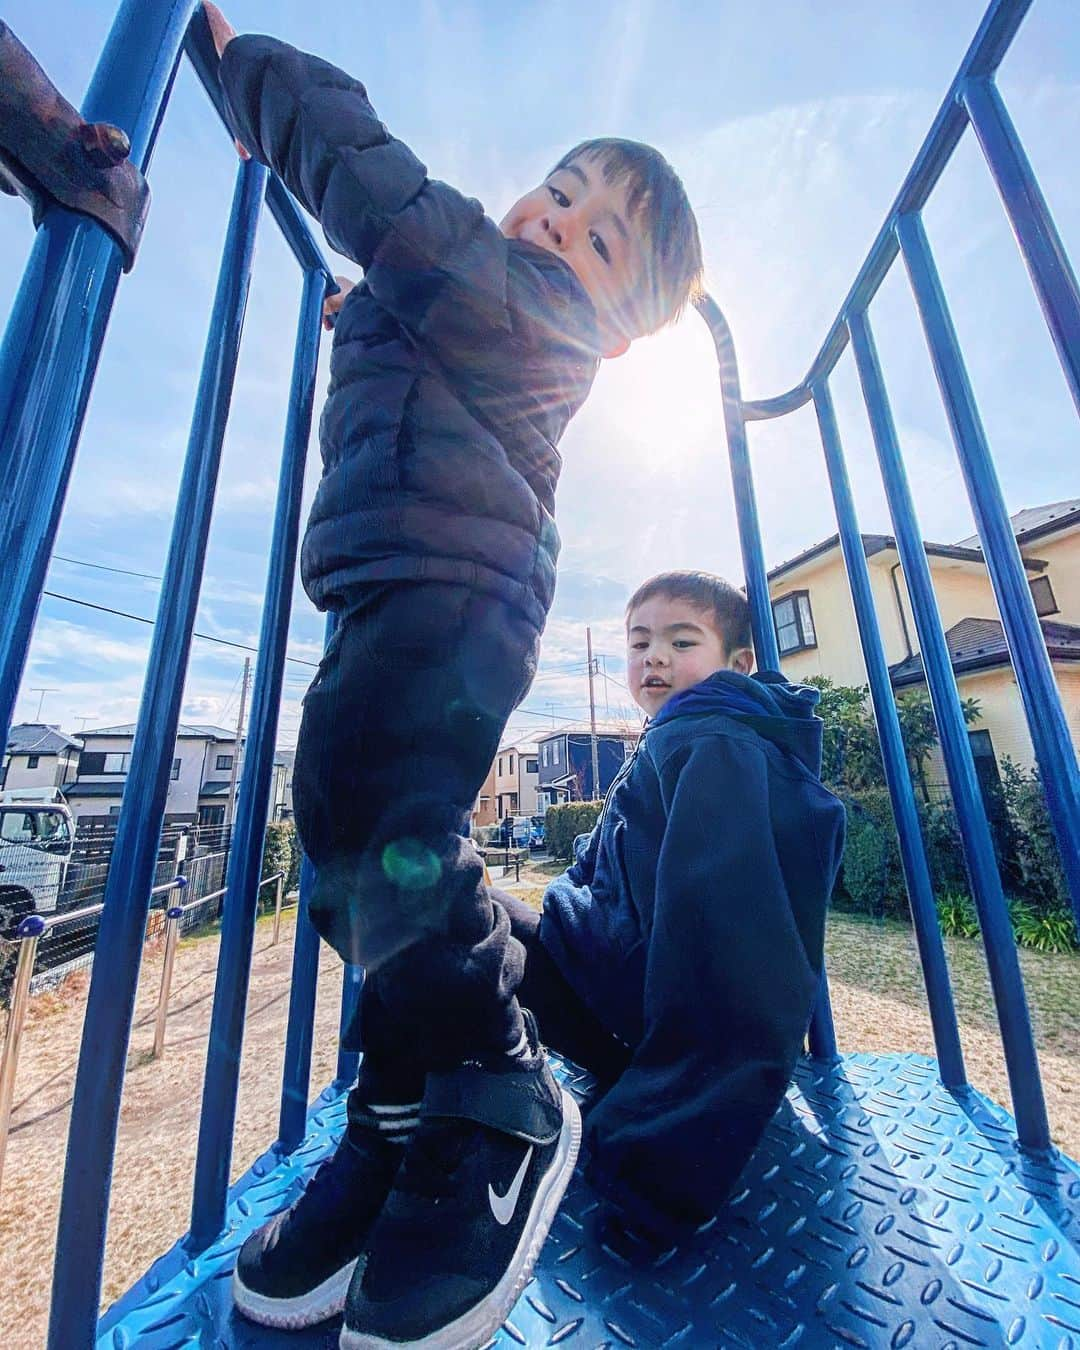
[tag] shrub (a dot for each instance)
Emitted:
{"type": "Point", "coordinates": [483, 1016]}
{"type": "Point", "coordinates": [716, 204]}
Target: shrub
{"type": "Point", "coordinates": [281, 853]}
{"type": "Point", "coordinates": [1051, 930]}
{"type": "Point", "coordinates": [956, 914]}
{"type": "Point", "coordinates": [1036, 861]}
{"type": "Point", "coordinates": [872, 878]}
{"type": "Point", "coordinates": [563, 824]}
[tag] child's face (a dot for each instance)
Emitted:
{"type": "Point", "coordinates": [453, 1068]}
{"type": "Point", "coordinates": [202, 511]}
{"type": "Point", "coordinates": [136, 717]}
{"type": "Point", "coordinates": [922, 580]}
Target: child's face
{"type": "Point", "coordinates": [583, 219]}
{"type": "Point", "coordinates": [671, 645]}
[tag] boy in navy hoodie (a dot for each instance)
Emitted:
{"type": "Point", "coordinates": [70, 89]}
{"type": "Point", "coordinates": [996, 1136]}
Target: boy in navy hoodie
{"type": "Point", "coordinates": [679, 957]}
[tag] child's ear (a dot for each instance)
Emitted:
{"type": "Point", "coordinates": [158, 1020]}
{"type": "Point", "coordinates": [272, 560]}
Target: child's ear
{"type": "Point", "coordinates": [742, 661]}
{"type": "Point", "coordinates": [620, 346]}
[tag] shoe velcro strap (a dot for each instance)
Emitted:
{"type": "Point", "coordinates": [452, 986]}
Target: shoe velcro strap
{"type": "Point", "coordinates": [523, 1104]}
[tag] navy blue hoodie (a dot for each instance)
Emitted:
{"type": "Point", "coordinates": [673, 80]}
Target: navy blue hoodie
{"type": "Point", "coordinates": [692, 923]}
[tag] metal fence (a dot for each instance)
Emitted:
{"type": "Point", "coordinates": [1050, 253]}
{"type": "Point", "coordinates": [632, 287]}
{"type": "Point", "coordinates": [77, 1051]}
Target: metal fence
{"type": "Point", "coordinates": [70, 941]}
{"type": "Point", "coordinates": [47, 365]}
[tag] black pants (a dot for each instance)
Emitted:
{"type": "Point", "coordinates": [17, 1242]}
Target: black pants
{"type": "Point", "coordinates": [566, 1023]}
{"type": "Point", "coordinates": [399, 730]}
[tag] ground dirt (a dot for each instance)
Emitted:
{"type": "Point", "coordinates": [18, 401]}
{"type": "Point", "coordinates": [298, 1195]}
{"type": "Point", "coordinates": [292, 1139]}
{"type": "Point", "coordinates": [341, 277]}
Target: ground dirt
{"type": "Point", "coordinates": [877, 1001]}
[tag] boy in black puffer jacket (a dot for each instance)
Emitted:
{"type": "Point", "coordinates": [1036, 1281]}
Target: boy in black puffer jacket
{"type": "Point", "coordinates": [457, 364]}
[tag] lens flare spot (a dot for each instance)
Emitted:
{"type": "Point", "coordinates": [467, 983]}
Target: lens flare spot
{"type": "Point", "coordinates": [411, 865]}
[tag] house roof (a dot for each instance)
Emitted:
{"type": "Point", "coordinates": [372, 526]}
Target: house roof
{"type": "Point", "coordinates": [1034, 521]}
{"type": "Point", "coordinates": [879, 543]}
{"type": "Point", "coordinates": [609, 730]}
{"type": "Point", "coordinates": [93, 789]}
{"type": "Point", "coordinates": [38, 738]}
{"type": "Point", "coordinates": [186, 730]}
{"type": "Point", "coordinates": [976, 644]}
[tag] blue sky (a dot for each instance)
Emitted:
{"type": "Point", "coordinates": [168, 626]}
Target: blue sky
{"type": "Point", "coordinates": [792, 125]}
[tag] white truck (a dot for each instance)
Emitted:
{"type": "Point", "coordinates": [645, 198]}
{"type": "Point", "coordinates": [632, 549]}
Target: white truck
{"type": "Point", "coordinates": [37, 836]}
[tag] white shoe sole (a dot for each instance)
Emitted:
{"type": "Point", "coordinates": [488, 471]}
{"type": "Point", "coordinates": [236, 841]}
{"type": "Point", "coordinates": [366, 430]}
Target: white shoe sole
{"type": "Point", "coordinates": [292, 1314]}
{"type": "Point", "coordinates": [477, 1326]}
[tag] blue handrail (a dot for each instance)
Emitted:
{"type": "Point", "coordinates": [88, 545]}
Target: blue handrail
{"type": "Point", "coordinates": [214, 1153]}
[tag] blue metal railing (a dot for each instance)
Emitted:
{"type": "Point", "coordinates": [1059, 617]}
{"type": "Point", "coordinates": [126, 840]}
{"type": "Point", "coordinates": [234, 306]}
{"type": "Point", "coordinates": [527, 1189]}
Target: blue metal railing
{"type": "Point", "coordinates": [47, 365]}
{"type": "Point", "coordinates": [971, 95]}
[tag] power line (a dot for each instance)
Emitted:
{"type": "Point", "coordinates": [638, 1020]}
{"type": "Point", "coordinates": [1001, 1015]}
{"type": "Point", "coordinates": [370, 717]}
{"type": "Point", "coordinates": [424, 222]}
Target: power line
{"type": "Point", "coordinates": [140, 618]}
{"type": "Point", "coordinates": [101, 567]}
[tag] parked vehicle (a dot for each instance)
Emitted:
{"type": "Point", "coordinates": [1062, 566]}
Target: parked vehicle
{"type": "Point", "coordinates": [517, 831]}
{"type": "Point", "coordinates": [36, 839]}
{"type": "Point", "coordinates": [537, 838]}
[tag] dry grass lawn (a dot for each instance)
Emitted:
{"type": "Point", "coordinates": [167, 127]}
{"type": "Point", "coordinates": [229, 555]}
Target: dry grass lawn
{"type": "Point", "coordinates": [877, 1000]}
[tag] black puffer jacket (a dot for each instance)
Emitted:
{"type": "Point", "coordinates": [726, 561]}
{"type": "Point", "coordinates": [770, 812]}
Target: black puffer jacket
{"type": "Point", "coordinates": [457, 364]}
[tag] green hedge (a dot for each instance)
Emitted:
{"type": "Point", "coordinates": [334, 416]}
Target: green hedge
{"type": "Point", "coordinates": [281, 853]}
{"type": "Point", "coordinates": [563, 824]}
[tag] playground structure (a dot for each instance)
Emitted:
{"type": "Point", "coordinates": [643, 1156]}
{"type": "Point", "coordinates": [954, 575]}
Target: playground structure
{"type": "Point", "coordinates": [889, 1204]}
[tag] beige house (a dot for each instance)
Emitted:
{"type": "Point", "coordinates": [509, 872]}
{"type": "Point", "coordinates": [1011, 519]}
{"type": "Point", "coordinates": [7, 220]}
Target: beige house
{"type": "Point", "coordinates": [516, 771]}
{"type": "Point", "coordinates": [817, 632]}
{"type": "Point", "coordinates": [202, 771]}
{"type": "Point", "coordinates": [483, 812]}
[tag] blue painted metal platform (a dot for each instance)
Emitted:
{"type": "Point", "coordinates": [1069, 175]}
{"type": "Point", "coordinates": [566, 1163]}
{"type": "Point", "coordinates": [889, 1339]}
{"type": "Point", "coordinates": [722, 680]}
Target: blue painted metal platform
{"type": "Point", "coordinates": [879, 1211]}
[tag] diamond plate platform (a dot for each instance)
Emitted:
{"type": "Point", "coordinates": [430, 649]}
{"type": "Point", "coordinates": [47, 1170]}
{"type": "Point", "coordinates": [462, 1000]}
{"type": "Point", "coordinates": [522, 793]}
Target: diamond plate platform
{"type": "Point", "coordinates": [879, 1211]}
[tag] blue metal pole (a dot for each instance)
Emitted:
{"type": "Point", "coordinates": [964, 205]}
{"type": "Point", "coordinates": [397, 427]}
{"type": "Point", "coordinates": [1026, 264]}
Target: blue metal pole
{"type": "Point", "coordinates": [920, 890]}
{"type": "Point", "coordinates": [766, 647]}
{"type": "Point", "coordinates": [53, 338]}
{"type": "Point", "coordinates": [753, 555]}
{"type": "Point", "coordinates": [99, 1081]}
{"type": "Point", "coordinates": [1027, 646]}
{"type": "Point", "coordinates": [348, 1061]}
{"type": "Point", "coordinates": [821, 1036]}
{"type": "Point", "coordinates": [299, 1031]}
{"type": "Point", "coordinates": [1040, 244]}
{"type": "Point", "coordinates": [218, 1113]}
{"type": "Point", "coordinates": [1021, 1062]}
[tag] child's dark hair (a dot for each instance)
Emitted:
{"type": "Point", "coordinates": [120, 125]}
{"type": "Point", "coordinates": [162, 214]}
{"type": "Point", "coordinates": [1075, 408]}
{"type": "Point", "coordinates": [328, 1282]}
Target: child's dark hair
{"type": "Point", "coordinates": [715, 596]}
{"type": "Point", "coordinates": [656, 197]}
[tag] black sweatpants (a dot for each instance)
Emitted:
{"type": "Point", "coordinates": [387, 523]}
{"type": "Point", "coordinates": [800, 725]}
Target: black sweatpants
{"type": "Point", "coordinates": [399, 730]}
{"type": "Point", "coordinates": [566, 1023]}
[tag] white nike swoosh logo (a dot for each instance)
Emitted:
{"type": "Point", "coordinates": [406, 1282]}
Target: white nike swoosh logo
{"type": "Point", "coordinates": [503, 1206]}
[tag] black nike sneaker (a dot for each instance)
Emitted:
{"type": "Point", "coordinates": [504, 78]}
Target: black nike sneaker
{"type": "Point", "coordinates": [462, 1228]}
{"type": "Point", "coordinates": [295, 1270]}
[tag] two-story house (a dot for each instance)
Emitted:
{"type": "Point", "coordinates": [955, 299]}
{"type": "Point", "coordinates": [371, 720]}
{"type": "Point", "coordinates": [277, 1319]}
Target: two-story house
{"type": "Point", "coordinates": [516, 778]}
{"type": "Point", "coordinates": [483, 812]}
{"type": "Point", "coordinates": [565, 768]}
{"type": "Point", "coordinates": [817, 632]}
{"type": "Point", "coordinates": [39, 755]}
{"type": "Point", "coordinates": [202, 769]}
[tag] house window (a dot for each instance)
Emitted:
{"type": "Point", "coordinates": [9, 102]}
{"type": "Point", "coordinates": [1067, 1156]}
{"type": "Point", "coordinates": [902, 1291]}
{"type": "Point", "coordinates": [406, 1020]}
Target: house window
{"type": "Point", "coordinates": [224, 762]}
{"type": "Point", "coordinates": [544, 754]}
{"type": "Point", "coordinates": [555, 753]}
{"type": "Point", "coordinates": [1043, 595]}
{"type": "Point", "coordinates": [794, 623]}
{"type": "Point", "coordinates": [32, 761]}
{"type": "Point", "coordinates": [511, 762]}
{"type": "Point", "coordinates": [531, 766]}
{"type": "Point", "coordinates": [175, 770]}
{"type": "Point", "coordinates": [116, 763]}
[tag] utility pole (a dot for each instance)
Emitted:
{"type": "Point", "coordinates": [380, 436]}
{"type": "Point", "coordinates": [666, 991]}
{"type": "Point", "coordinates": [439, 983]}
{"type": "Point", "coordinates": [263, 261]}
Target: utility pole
{"type": "Point", "coordinates": [239, 740]}
{"type": "Point", "coordinates": [592, 719]}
